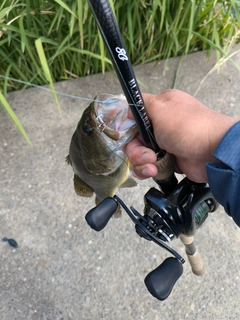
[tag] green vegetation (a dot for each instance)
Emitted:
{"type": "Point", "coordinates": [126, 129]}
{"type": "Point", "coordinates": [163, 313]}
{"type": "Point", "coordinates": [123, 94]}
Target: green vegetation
{"type": "Point", "coordinates": [42, 41]}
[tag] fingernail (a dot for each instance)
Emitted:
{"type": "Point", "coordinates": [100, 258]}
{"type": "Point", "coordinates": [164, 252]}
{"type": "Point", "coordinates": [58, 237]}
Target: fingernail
{"type": "Point", "coordinates": [146, 157]}
{"type": "Point", "coordinates": [146, 172]}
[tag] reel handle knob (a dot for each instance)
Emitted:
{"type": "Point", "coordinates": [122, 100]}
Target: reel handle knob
{"type": "Point", "coordinates": [98, 217]}
{"type": "Point", "coordinates": [161, 280]}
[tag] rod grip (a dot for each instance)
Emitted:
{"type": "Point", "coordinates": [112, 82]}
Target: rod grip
{"type": "Point", "coordinates": [165, 177]}
{"type": "Point", "coordinates": [196, 263]}
{"type": "Point", "coordinates": [193, 255]}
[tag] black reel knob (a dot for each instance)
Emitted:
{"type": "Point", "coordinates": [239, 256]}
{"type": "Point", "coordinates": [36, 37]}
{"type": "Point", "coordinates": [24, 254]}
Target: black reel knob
{"type": "Point", "coordinates": [98, 217]}
{"type": "Point", "coordinates": [160, 281]}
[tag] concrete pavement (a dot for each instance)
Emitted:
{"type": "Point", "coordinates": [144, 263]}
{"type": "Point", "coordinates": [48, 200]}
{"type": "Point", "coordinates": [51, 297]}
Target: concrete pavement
{"type": "Point", "coordinates": [63, 269]}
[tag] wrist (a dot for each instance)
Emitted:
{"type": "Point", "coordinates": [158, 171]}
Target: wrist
{"type": "Point", "coordinates": [222, 124]}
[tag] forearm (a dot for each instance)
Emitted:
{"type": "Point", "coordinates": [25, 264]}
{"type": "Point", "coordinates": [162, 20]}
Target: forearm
{"type": "Point", "coordinates": [224, 176]}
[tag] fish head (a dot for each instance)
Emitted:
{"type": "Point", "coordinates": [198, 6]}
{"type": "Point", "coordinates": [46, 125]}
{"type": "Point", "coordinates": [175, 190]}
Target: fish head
{"type": "Point", "coordinates": [106, 125]}
{"type": "Point", "coordinates": [111, 115]}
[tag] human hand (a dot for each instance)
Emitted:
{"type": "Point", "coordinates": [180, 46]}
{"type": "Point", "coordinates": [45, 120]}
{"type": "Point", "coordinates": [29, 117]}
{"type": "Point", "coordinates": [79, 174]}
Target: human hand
{"type": "Point", "coordinates": [186, 129]}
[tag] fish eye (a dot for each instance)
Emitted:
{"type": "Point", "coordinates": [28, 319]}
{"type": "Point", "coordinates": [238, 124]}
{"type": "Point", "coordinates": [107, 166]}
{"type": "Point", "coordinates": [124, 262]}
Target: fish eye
{"type": "Point", "coordinates": [87, 130]}
{"type": "Point", "coordinates": [86, 127]}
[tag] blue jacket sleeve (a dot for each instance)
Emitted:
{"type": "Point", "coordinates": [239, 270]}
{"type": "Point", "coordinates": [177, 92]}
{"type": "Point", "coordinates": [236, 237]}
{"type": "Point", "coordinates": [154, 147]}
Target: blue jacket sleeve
{"type": "Point", "coordinates": [224, 177]}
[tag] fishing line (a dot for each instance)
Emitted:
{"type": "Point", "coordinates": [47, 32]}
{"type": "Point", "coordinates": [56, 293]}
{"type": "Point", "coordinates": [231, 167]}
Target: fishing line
{"type": "Point", "coordinates": [84, 99]}
{"type": "Point", "coordinates": [70, 96]}
{"type": "Point", "coordinates": [50, 90]}
{"type": "Point", "coordinates": [46, 89]}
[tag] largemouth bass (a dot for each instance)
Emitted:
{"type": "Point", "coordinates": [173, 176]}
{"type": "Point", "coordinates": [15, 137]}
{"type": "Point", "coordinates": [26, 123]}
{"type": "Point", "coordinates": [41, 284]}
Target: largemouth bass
{"type": "Point", "coordinates": [96, 149]}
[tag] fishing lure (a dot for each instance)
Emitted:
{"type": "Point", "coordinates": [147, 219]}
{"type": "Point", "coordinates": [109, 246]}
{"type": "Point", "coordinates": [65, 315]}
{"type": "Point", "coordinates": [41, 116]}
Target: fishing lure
{"type": "Point", "coordinates": [12, 242]}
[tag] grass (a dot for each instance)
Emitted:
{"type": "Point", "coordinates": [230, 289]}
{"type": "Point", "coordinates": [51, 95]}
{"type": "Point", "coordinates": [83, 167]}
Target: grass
{"type": "Point", "coordinates": [42, 41]}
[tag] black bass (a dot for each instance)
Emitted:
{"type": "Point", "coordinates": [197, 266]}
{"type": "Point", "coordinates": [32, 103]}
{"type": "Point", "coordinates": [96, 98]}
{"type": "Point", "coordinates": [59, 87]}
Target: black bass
{"type": "Point", "coordinates": [96, 149]}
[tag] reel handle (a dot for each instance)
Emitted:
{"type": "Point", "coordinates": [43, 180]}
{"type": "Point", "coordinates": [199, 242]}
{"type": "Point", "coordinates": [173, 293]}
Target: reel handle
{"type": "Point", "coordinates": [98, 217]}
{"type": "Point", "coordinates": [161, 280]}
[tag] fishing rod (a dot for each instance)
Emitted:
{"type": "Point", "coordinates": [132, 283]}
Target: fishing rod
{"type": "Point", "coordinates": [176, 211]}
{"type": "Point", "coordinates": [114, 43]}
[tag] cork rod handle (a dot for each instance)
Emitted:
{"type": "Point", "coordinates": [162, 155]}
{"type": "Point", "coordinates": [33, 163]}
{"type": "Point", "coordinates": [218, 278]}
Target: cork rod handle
{"type": "Point", "coordinates": [193, 255]}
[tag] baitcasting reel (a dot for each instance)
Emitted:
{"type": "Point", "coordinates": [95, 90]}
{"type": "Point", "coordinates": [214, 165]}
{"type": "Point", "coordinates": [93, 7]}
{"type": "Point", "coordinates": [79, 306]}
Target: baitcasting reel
{"type": "Point", "coordinates": [165, 218]}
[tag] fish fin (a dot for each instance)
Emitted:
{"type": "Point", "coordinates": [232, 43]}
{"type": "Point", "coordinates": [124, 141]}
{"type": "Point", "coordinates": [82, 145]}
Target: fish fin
{"type": "Point", "coordinates": [81, 188]}
{"type": "Point", "coordinates": [68, 159]}
{"type": "Point", "coordinates": [129, 183]}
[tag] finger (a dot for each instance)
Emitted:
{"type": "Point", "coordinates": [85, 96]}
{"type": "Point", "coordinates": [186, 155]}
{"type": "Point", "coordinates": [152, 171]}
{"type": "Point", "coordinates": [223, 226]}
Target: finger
{"type": "Point", "coordinates": [145, 171]}
{"type": "Point", "coordinates": [138, 154]}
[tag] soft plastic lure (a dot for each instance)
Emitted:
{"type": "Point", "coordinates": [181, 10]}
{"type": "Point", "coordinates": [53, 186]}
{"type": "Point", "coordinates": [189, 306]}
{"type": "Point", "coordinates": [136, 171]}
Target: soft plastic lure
{"type": "Point", "coordinates": [12, 242]}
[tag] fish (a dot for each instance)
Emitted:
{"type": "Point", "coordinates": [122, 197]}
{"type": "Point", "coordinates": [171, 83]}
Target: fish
{"type": "Point", "coordinates": [96, 151]}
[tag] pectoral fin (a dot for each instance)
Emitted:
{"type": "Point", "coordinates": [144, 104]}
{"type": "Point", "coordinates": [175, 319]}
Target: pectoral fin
{"type": "Point", "coordinates": [81, 188]}
{"type": "Point", "coordinates": [68, 160]}
{"type": "Point", "coordinates": [129, 183]}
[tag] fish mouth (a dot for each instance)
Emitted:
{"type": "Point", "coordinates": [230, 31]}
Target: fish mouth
{"type": "Point", "coordinates": [111, 113]}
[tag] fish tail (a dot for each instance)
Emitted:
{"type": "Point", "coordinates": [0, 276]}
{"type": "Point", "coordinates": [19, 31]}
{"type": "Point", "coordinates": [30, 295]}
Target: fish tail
{"type": "Point", "coordinates": [68, 160]}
